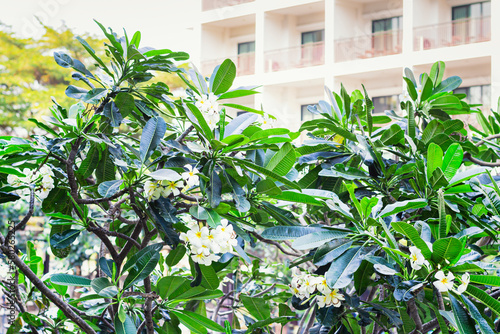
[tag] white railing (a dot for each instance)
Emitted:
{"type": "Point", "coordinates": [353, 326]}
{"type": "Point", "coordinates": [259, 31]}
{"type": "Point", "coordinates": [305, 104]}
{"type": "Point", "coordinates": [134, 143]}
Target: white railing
{"type": "Point", "coordinates": [245, 64]}
{"type": "Point", "coordinates": [373, 45]}
{"type": "Point", "coordinates": [310, 54]}
{"type": "Point", "coordinates": [458, 32]}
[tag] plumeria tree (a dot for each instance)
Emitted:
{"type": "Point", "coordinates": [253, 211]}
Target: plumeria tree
{"type": "Point", "coordinates": [385, 223]}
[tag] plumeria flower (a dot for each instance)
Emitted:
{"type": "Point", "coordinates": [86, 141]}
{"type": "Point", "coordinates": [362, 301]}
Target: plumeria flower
{"type": "Point", "coordinates": [465, 282]}
{"type": "Point", "coordinates": [417, 260]}
{"type": "Point", "coordinates": [190, 176]}
{"type": "Point", "coordinates": [266, 121]}
{"type": "Point", "coordinates": [225, 229]}
{"type": "Point", "coordinates": [152, 189]}
{"type": "Point", "coordinates": [308, 285]}
{"type": "Point", "coordinates": [419, 92]}
{"type": "Point", "coordinates": [202, 103]}
{"type": "Point", "coordinates": [203, 248]}
{"type": "Point", "coordinates": [335, 297]}
{"type": "Point", "coordinates": [405, 97]}
{"type": "Point", "coordinates": [323, 287]}
{"type": "Point", "coordinates": [444, 283]}
{"type": "Point", "coordinates": [196, 235]}
{"type": "Point", "coordinates": [205, 260]}
{"type": "Point", "coordinates": [212, 120]}
{"type": "Point", "coordinates": [171, 187]}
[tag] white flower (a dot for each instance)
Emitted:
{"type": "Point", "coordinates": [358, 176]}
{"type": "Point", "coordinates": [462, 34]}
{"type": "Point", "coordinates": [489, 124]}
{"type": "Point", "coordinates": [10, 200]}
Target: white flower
{"type": "Point", "coordinates": [212, 120]}
{"type": "Point", "coordinates": [205, 260]}
{"type": "Point", "coordinates": [266, 121]}
{"type": "Point", "coordinates": [197, 235]}
{"type": "Point", "coordinates": [323, 287]}
{"type": "Point", "coordinates": [333, 297]}
{"type": "Point", "coordinates": [416, 258]}
{"type": "Point", "coordinates": [153, 190]}
{"type": "Point", "coordinates": [405, 97]}
{"type": "Point", "coordinates": [202, 103]}
{"type": "Point", "coordinates": [465, 282]}
{"type": "Point", "coordinates": [419, 92]}
{"type": "Point", "coordinates": [190, 176]}
{"type": "Point", "coordinates": [171, 187]}
{"type": "Point", "coordinates": [444, 283]}
{"type": "Point", "coordinates": [203, 248]}
{"type": "Point", "coordinates": [308, 285]}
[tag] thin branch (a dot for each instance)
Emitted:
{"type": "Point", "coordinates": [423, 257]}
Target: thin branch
{"type": "Point", "coordinates": [113, 234]}
{"type": "Point", "coordinates": [147, 295]}
{"type": "Point", "coordinates": [190, 198]}
{"type": "Point", "coordinates": [65, 308]}
{"type": "Point", "coordinates": [100, 200]}
{"type": "Point", "coordinates": [26, 218]}
{"type": "Point", "coordinates": [440, 299]}
{"type": "Point", "coordinates": [255, 234]}
{"type": "Point", "coordinates": [412, 306]}
{"type": "Point", "coordinates": [467, 155]}
{"type": "Point", "coordinates": [482, 141]}
{"type": "Point", "coordinates": [101, 234]}
{"type": "Point", "coordinates": [265, 291]}
{"type": "Point", "coordinates": [148, 305]}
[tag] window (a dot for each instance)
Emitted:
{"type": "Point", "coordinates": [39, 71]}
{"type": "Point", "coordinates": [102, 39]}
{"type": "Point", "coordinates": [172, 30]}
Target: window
{"type": "Point", "coordinates": [312, 50]}
{"type": "Point", "coordinates": [246, 47]}
{"type": "Point", "coordinates": [476, 94]}
{"type": "Point", "coordinates": [306, 115]}
{"type": "Point", "coordinates": [246, 58]}
{"type": "Point", "coordinates": [386, 35]}
{"type": "Point", "coordinates": [313, 36]}
{"type": "Point", "coordinates": [471, 22]}
{"type": "Point", "coordinates": [383, 103]}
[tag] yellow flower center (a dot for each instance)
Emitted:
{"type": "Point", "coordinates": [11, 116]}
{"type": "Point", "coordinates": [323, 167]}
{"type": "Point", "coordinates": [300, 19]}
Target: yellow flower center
{"type": "Point", "coordinates": [444, 280]}
{"type": "Point", "coordinates": [211, 237]}
{"type": "Point", "coordinates": [198, 234]}
{"type": "Point", "coordinates": [414, 257]}
{"type": "Point", "coordinates": [191, 173]}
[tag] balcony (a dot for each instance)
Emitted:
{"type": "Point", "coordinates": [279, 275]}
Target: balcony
{"type": "Point", "coordinates": [245, 64]}
{"type": "Point", "coordinates": [310, 54]}
{"type": "Point", "coordinates": [458, 32]}
{"type": "Point", "coordinates": [373, 45]}
{"type": "Point", "coordinates": [214, 4]}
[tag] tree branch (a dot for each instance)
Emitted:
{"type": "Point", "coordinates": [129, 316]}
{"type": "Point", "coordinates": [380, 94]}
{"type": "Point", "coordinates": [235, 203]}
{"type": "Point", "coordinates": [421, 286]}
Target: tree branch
{"type": "Point", "coordinates": [482, 141]}
{"type": "Point", "coordinates": [148, 314]}
{"type": "Point", "coordinates": [412, 306]}
{"type": "Point", "coordinates": [65, 308]}
{"type": "Point", "coordinates": [113, 234]}
{"type": "Point", "coordinates": [255, 234]}
{"type": "Point", "coordinates": [26, 218]}
{"type": "Point", "coordinates": [467, 155]}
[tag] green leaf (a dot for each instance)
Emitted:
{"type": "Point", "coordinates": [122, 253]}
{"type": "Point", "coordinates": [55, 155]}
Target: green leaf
{"type": "Point", "coordinates": [237, 93]}
{"type": "Point", "coordinates": [411, 233]}
{"type": "Point", "coordinates": [448, 85]}
{"type": "Point", "coordinates": [342, 269]}
{"type": "Point", "coordinates": [126, 327]}
{"type": "Point", "coordinates": [64, 239]}
{"type": "Point", "coordinates": [90, 162]}
{"type": "Point", "coordinates": [109, 188]}
{"type": "Point", "coordinates": [153, 132]}
{"type": "Point", "coordinates": [70, 280]}
{"type": "Point", "coordinates": [103, 287]}
{"type": "Point", "coordinates": [259, 325]}
{"type": "Point", "coordinates": [410, 87]}
{"type": "Point", "coordinates": [224, 77]}
{"type": "Point", "coordinates": [125, 103]}
{"type": "Point", "coordinates": [258, 307]}
{"type": "Point", "coordinates": [484, 327]}
{"type": "Point", "coordinates": [485, 280]}
{"type": "Point", "coordinates": [393, 135]}
{"type": "Point", "coordinates": [239, 124]}
{"type": "Point", "coordinates": [397, 207]}
{"type": "Point", "coordinates": [175, 255]}
{"type": "Point", "coordinates": [210, 279]}
{"type": "Point", "coordinates": [330, 251]}
{"type": "Point", "coordinates": [437, 72]}
{"type": "Point", "coordinates": [464, 322]}
{"type": "Point", "coordinates": [288, 232]}
{"type": "Point", "coordinates": [144, 266]}
{"type": "Point", "coordinates": [8, 197]}
{"type": "Point", "coordinates": [142, 256]}
{"type": "Point", "coordinates": [251, 167]}
{"type": "Point", "coordinates": [107, 266]}
{"type": "Point", "coordinates": [172, 285]}
{"type": "Point", "coordinates": [485, 298]}
{"type": "Point", "coordinates": [446, 249]}
{"type": "Point", "coordinates": [205, 129]}
{"type": "Point", "coordinates": [319, 238]}
{"type": "Point", "coordinates": [452, 160]}
{"type": "Point", "coordinates": [283, 160]}
{"type": "Point", "coordinates": [443, 224]}
{"type": "Point", "coordinates": [113, 114]}
{"type": "Point", "coordinates": [294, 196]}
{"type": "Point", "coordinates": [268, 187]}
{"type": "Point", "coordinates": [434, 158]}
{"type": "Point", "coordinates": [196, 322]}
{"type": "Point", "coordinates": [214, 189]}
{"type": "Point", "coordinates": [432, 129]}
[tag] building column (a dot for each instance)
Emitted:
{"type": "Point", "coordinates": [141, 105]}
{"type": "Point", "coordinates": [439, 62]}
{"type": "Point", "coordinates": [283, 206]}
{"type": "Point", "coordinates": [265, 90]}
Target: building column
{"type": "Point", "coordinates": [329, 46]}
{"type": "Point", "coordinates": [260, 18]}
{"type": "Point", "coordinates": [495, 56]}
{"type": "Point", "coordinates": [407, 27]}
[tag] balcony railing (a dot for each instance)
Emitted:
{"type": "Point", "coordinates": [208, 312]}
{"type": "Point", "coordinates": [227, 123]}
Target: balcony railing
{"type": "Point", "coordinates": [214, 4]}
{"type": "Point", "coordinates": [245, 64]}
{"type": "Point", "coordinates": [458, 32]}
{"type": "Point", "coordinates": [374, 45]}
{"type": "Point", "coordinates": [310, 54]}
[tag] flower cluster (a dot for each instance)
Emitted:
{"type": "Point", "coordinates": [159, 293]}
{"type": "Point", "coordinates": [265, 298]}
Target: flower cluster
{"type": "Point", "coordinates": [42, 180]}
{"type": "Point", "coordinates": [209, 107]}
{"type": "Point", "coordinates": [445, 283]}
{"type": "Point", "coordinates": [155, 189]}
{"type": "Point", "coordinates": [206, 243]}
{"type": "Point", "coordinates": [405, 96]}
{"type": "Point", "coordinates": [304, 285]}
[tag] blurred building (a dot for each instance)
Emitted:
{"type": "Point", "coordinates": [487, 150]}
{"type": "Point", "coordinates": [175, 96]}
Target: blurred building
{"type": "Point", "coordinates": [296, 47]}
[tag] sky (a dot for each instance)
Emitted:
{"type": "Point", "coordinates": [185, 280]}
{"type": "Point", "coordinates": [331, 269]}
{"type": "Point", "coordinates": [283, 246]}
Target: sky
{"type": "Point", "coordinates": [163, 23]}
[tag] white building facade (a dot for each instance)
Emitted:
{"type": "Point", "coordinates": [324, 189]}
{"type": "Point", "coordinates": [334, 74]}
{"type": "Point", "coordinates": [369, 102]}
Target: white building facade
{"type": "Point", "coordinates": [293, 48]}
